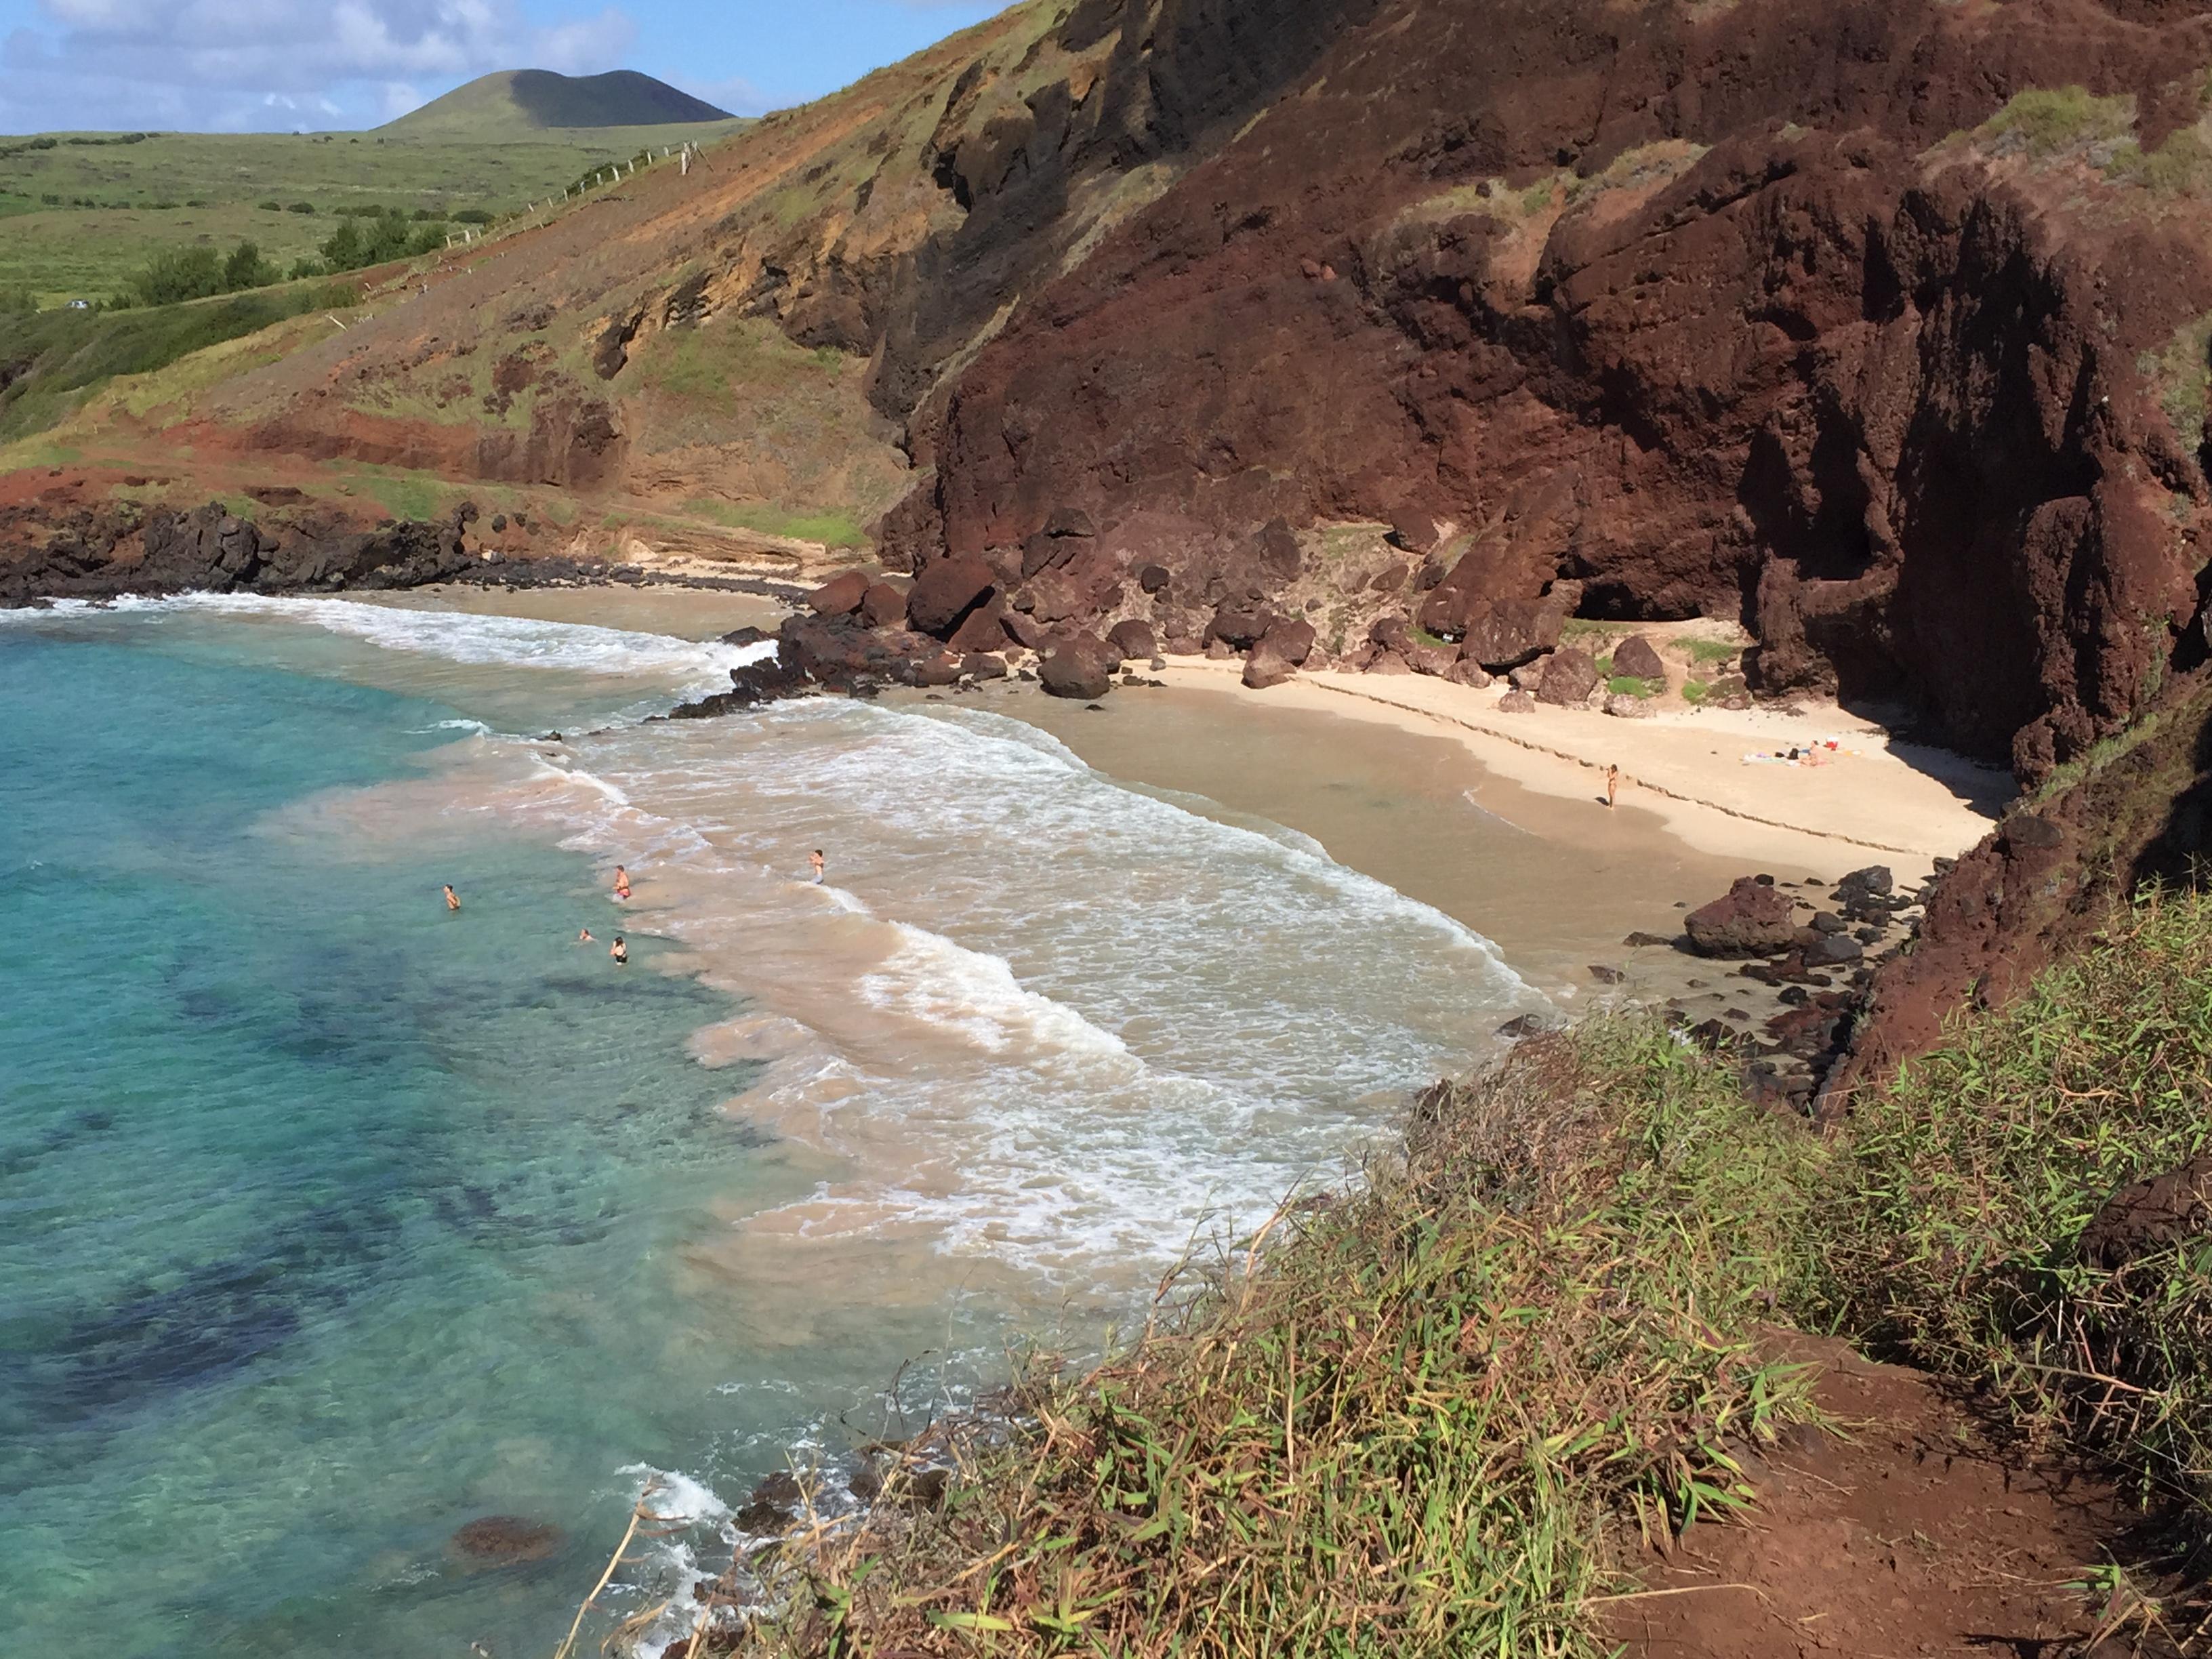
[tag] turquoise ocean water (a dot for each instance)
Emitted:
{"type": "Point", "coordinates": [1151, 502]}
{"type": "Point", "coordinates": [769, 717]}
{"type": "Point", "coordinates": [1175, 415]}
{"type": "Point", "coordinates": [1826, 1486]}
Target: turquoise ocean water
{"type": "Point", "coordinates": [331, 1221]}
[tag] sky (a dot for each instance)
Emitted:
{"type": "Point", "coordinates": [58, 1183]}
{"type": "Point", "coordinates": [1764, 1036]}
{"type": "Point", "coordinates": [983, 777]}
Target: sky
{"type": "Point", "coordinates": [321, 65]}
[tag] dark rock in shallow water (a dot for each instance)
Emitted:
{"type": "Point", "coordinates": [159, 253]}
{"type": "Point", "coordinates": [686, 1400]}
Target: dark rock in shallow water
{"type": "Point", "coordinates": [771, 1506]}
{"type": "Point", "coordinates": [1526, 1025]}
{"type": "Point", "coordinates": [502, 1539]}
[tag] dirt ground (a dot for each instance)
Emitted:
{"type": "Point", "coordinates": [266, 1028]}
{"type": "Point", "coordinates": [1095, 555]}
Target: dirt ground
{"type": "Point", "coordinates": [1907, 1534]}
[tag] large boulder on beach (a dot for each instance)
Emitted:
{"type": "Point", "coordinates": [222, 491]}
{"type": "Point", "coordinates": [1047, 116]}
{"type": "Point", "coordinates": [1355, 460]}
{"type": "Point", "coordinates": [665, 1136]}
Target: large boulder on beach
{"type": "Point", "coordinates": [983, 628]}
{"type": "Point", "coordinates": [943, 595]}
{"type": "Point", "coordinates": [1281, 651]}
{"type": "Point", "coordinates": [1751, 919]}
{"type": "Point", "coordinates": [1570, 677]}
{"type": "Point", "coordinates": [1078, 668]}
{"type": "Point", "coordinates": [841, 596]}
{"type": "Point", "coordinates": [1507, 633]}
{"type": "Point", "coordinates": [1636, 658]}
{"type": "Point", "coordinates": [1239, 627]}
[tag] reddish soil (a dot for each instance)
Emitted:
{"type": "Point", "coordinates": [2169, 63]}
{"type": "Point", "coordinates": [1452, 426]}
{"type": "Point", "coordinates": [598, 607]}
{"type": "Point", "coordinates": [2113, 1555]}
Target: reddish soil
{"type": "Point", "coordinates": [1910, 1536]}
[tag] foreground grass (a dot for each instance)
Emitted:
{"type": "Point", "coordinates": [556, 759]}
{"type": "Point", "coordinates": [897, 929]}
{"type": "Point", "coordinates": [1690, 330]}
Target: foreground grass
{"type": "Point", "coordinates": [1424, 1418]}
{"type": "Point", "coordinates": [1963, 1228]}
{"type": "Point", "coordinates": [1407, 1429]}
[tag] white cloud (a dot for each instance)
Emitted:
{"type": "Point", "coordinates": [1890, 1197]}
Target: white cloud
{"type": "Point", "coordinates": [191, 63]}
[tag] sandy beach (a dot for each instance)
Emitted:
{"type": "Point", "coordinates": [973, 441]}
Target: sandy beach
{"type": "Point", "coordinates": [1496, 819]}
{"type": "Point", "coordinates": [1874, 800]}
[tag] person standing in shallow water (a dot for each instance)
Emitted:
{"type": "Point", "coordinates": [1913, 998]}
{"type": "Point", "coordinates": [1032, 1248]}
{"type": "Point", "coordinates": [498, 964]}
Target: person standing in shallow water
{"type": "Point", "coordinates": [453, 899]}
{"type": "Point", "coordinates": [1612, 783]}
{"type": "Point", "coordinates": [622, 882]}
{"type": "Point", "coordinates": [620, 951]}
{"type": "Point", "coordinates": [814, 863]}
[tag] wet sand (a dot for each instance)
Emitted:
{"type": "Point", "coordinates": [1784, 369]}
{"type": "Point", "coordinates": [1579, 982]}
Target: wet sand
{"type": "Point", "coordinates": [1557, 883]}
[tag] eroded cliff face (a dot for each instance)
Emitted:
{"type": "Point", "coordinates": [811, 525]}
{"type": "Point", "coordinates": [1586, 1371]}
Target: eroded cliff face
{"type": "Point", "coordinates": [1751, 312]}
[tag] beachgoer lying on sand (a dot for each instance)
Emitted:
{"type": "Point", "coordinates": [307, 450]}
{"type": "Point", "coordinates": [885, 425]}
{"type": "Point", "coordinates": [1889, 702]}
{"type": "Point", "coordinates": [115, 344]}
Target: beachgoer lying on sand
{"type": "Point", "coordinates": [620, 950]}
{"type": "Point", "coordinates": [814, 863]}
{"type": "Point", "coordinates": [453, 899]}
{"type": "Point", "coordinates": [622, 882]}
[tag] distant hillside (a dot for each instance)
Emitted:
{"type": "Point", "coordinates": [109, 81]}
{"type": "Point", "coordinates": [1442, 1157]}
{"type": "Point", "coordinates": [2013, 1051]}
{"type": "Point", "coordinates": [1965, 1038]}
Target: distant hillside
{"type": "Point", "coordinates": [519, 101]}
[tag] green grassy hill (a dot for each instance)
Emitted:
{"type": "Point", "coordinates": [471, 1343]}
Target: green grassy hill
{"type": "Point", "coordinates": [522, 103]}
{"type": "Point", "coordinates": [80, 212]}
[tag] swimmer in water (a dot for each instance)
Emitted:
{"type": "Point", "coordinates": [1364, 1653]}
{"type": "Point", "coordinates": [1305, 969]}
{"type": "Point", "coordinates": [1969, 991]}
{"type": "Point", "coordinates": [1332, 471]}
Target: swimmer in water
{"type": "Point", "coordinates": [453, 899]}
{"type": "Point", "coordinates": [622, 882]}
{"type": "Point", "coordinates": [584, 937]}
{"type": "Point", "coordinates": [814, 863]}
{"type": "Point", "coordinates": [620, 951]}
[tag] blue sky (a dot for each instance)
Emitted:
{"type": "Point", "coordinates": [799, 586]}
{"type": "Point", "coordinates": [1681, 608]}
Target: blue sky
{"type": "Point", "coordinates": [278, 65]}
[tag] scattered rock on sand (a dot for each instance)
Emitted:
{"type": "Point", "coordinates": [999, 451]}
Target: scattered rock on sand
{"type": "Point", "coordinates": [1466, 671]}
{"type": "Point", "coordinates": [1875, 881]}
{"type": "Point", "coordinates": [1634, 656]}
{"type": "Point", "coordinates": [1605, 975]}
{"type": "Point", "coordinates": [1751, 919]}
{"type": "Point", "coordinates": [1516, 703]}
{"type": "Point", "coordinates": [1079, 668]}
{"type": "Point", "coordinates": [1133, 638]}
{"type": "Point", "coordinates": [981, 665]}
{"type": "Point", "coordinates": [1628, 708]}
{"type": "Point", "coordinates": [1569, 675]}
{"type": "Point", "coordinates": [941, 670]}
{"type": "Point", "coordinates": [1279, 653]}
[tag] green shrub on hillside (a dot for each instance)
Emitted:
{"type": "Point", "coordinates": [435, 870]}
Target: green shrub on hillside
{"type": "Point", "coordinates": [372, 240]}
{"type": "Point", "coordinates": [1968, 1185]}
{"type": "Point", "coordinates": [196, 273]}
{"type": "Point", "coordinates": [2049, 119]}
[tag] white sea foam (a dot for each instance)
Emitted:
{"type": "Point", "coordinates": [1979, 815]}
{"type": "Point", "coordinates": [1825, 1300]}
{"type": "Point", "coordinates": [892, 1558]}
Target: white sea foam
{"type": "Point", "coordinates": [694, 666]}
{"type": "Point", "coordinates": [1044, 1020]}
{"type": "Point", "coordinates": [930, 978]}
